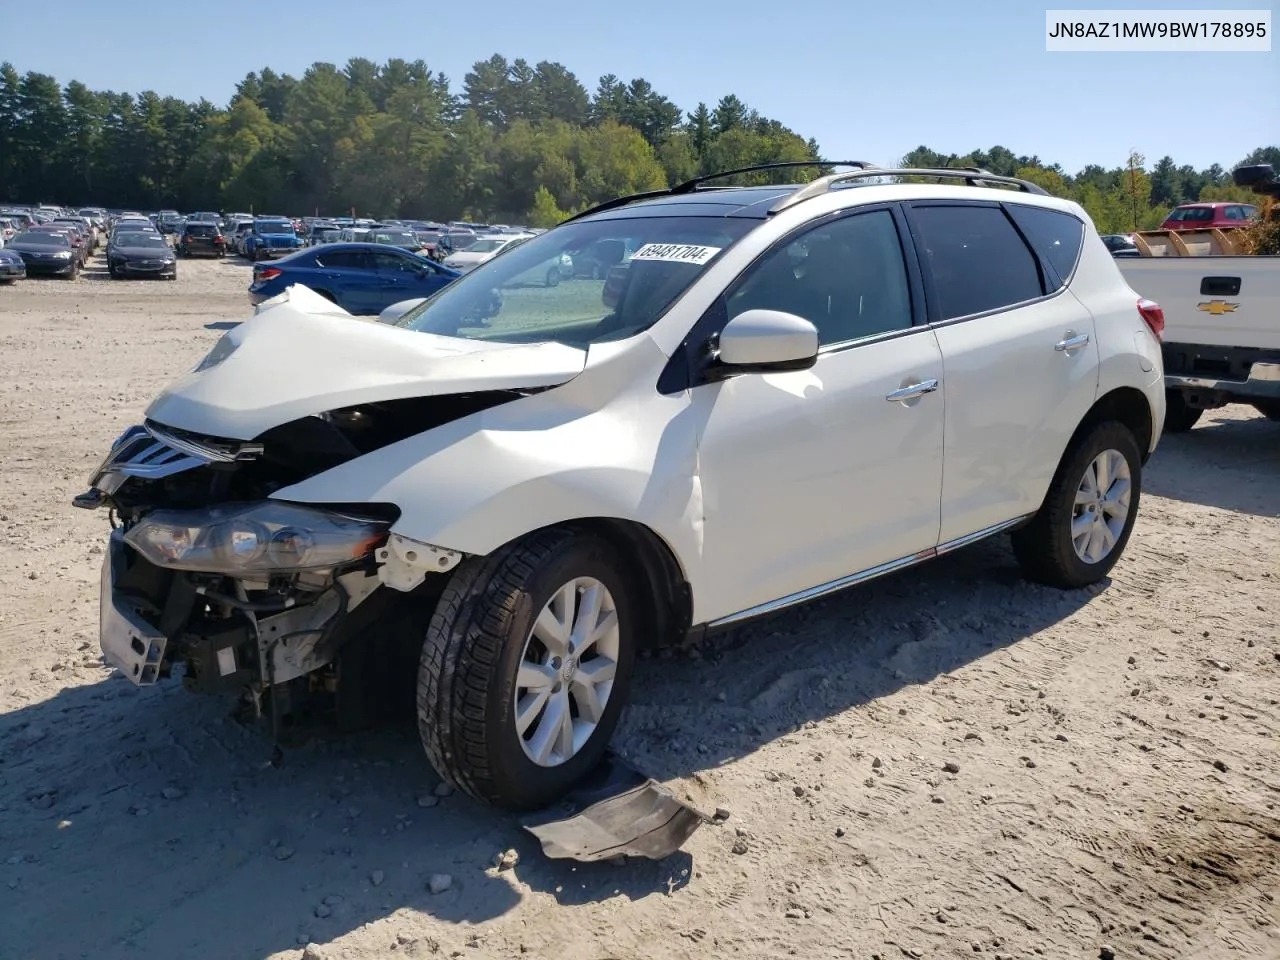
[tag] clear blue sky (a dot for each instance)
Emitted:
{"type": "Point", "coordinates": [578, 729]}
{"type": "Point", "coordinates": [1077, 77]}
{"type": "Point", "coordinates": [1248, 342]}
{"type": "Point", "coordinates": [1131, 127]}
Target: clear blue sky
{"type": "Point", "coordinates": [869, 80]}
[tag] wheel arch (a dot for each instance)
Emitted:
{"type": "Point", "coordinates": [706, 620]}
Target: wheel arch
{"type": "Point", "coordinates": [664, 593]}
{"type": "Point", "coordinates": [1127, 405]}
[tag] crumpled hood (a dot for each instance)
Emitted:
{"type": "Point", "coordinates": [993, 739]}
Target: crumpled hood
{"type": "Point", "coordinates": [301, 355]}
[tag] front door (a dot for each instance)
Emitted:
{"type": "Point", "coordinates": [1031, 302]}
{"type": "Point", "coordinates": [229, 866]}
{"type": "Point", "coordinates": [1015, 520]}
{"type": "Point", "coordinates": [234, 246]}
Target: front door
{"type": "Point", "coordinates": [399, 277]}
{"type": "Point", "coordinates": [811, 476]}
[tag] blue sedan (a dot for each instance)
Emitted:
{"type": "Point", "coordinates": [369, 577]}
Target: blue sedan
{"type": "Point", "coordinates": [362, 278]}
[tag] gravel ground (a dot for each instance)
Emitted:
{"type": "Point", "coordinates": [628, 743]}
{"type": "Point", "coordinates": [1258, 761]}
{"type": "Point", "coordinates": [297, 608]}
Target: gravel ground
{"type": "Point", "coordinates": [943, 763]}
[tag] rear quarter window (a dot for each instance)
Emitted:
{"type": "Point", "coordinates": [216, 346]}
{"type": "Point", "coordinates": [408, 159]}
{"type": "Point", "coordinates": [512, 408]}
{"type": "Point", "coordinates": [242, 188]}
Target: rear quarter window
{"type": "Point", "coordinates": [1055, 235]}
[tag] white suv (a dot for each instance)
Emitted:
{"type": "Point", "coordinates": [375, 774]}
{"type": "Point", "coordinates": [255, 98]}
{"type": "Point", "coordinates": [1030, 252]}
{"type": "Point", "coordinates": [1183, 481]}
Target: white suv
{"type": "Point", "coordinates": [783, 391]}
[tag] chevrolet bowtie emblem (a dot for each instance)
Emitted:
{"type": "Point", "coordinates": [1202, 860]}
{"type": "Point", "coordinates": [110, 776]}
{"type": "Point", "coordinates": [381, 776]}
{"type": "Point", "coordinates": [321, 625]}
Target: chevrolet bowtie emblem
{"type": "Point", "coordinates": [1217, 307]}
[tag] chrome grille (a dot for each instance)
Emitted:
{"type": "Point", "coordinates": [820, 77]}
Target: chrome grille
{"type": "Point", "coordinates": [222, 451]}
{"type": "Point", "coordinates": [149, 452]}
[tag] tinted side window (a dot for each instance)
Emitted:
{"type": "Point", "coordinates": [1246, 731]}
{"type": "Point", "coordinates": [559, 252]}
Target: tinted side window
{"type": "Point", "coordinates": [847, 277]}
{"type": "Point", "coordinates": [345, 260]}
{"type": "Point", "coordinates": [390, 263]}
{"type": "Point", "coordinates": [978, 260]}
{"type": "Point", "coordinates": [1056, 236]}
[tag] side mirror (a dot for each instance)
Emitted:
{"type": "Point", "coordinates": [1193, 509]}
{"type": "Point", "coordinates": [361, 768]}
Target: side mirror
{"type": "Point", "coordinates": [765, 341]}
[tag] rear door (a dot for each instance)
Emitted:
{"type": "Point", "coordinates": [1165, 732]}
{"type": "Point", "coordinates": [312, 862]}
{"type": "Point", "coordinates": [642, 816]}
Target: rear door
{"type": "Point", "coordinates": [1020, 352]}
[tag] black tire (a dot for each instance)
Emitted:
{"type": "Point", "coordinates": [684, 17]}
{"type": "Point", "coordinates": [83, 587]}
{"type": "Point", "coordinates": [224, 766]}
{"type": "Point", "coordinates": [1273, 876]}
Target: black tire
{"type": "Point", "coordinates": [1268, 408]}
{"type": "Point", "coordinates": [553, 277]}
{"type": "Point", "coordinates": [327, 295]}
{"type": "Point", "coordinates": [1179, 416]}
{"type": "Point", "coordinates": [473, 648]}
{"type": "Point", "coordinates": [1043, 547]}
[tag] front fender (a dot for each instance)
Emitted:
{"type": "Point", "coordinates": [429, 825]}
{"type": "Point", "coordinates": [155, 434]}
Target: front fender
{"type": "Point", "coordinates": [568, 453]}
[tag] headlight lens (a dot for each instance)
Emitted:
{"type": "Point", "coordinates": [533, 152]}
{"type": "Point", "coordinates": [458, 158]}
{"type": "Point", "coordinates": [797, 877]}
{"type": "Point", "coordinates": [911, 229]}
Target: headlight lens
{"type": "Point", "coordinates": [63, 254]}
{"type": "Point", "coordinates": [247, 539]}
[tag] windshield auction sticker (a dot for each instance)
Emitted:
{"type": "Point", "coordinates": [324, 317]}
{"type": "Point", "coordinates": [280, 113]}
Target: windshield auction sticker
{"type": "Point", "coordinates": [676, 253]}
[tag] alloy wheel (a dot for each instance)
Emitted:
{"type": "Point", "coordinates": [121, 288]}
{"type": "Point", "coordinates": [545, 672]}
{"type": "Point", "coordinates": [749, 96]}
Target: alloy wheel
{"type": "Point", "coordinates": [1101, 506]}
{"type": "Point", "coordinates": [567, 671]}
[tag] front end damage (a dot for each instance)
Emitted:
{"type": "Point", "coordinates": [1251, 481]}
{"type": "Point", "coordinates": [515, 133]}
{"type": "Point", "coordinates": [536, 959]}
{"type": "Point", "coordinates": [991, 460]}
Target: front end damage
{"type": "Point", "coordinates": [278, 602]}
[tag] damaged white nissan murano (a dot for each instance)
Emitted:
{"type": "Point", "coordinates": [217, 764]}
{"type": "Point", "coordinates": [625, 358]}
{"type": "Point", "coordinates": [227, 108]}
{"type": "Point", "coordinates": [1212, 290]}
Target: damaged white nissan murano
{"type": "Point", "coordinates": [745, 398]}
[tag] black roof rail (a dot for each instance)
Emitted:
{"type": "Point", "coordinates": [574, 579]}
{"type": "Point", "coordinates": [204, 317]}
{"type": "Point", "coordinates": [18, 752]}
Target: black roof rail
{"type": "Point", "coordinates": [690, 186]}
{"type": "Point", "coordinates": [972, 176]}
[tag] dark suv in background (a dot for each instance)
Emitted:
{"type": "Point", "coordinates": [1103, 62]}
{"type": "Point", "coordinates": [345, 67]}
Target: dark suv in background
{"type": "Point", "coordinates": [198, 239]}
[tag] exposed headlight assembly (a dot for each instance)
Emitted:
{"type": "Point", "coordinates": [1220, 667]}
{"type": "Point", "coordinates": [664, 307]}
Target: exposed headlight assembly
{"type": "Point", "coordinates": [265, 538]}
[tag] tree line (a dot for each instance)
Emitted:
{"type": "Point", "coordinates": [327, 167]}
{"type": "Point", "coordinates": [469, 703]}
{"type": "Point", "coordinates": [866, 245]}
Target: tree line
{"type": "Point", "coordinates": [521, 142]}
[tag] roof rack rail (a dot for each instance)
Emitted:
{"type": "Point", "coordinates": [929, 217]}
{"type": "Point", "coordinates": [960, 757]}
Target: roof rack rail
{"type": "Point", "coordinates": [690, 186]}
{"type": "Point", "coordinates": [972, 176]}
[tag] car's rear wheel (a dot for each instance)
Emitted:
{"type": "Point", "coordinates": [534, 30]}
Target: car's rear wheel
{"type": "Point", "coordinates": [1268, 408]}
{"type": "Point", "coordinates": [526, 667]}
{"type": "Point", "coordinates": [1179, 416]}
{"type": "Point", "coordinates": [1087, 516]}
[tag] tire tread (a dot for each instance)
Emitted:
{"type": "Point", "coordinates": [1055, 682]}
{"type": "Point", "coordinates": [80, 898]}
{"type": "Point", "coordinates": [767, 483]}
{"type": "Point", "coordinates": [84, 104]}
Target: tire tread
{"type": "Point", "coordinates": [1044, 556]}
{"type": "Point", "coordinates": [463, 647]}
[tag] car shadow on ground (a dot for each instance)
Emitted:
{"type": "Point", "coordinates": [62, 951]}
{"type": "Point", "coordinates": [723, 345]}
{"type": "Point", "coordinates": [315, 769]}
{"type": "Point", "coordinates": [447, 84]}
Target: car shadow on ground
{"type": "Point", "coordinates": [223, 324]}
{"type": "Point", "coordinates": [147, 822]}
{"type": "Point", "coordinates": [1231, 464]}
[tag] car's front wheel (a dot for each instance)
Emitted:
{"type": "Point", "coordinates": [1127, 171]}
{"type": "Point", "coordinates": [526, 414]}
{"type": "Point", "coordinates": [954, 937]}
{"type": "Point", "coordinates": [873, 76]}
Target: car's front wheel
{"type": "Point", "coordinates": [526, 667]}
{"type": "Point", "coordinates": [1087, 516]}
{"type": "Point", "coordinates": [553, 276]}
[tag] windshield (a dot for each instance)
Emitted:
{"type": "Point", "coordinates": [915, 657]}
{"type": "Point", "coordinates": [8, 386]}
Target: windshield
{"type": "Point", "coordinates": [626, 273]}
{"type": "Point", "coordinates": [275, 226]}
{"type": "Point", "coordinates": [487, 245]}
{"type": "Point", "coordinates": [43, 239]}
{"type": "Point", "coordinates": [395, 237]}
{"type": "Point", "coordinates": [145, 240]}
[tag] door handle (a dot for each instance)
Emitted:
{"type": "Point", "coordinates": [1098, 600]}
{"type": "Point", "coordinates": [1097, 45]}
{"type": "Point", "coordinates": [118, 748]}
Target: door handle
{"type": "Point", "coordinates": [1071, 343]}
{"type": "Point", "coordinates": [912, 391]}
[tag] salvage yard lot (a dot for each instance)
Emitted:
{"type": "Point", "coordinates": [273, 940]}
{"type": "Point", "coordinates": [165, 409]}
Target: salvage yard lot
{"type": "Point", "coordinates": [1116, 752]}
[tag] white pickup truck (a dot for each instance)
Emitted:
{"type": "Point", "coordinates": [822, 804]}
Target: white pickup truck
{"type": "Point", "coordinates": [1222, 325]}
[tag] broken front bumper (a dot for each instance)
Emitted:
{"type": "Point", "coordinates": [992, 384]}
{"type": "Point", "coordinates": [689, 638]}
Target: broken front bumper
{"type": "Point", "coordinates": [128, 641]}
{"type": "Point", "coordinates": [220, 652]}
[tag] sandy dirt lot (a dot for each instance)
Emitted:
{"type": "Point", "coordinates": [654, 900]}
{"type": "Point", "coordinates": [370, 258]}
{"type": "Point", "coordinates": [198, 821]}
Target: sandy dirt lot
{"type": "Point", "coordinates": [1116, 751]}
